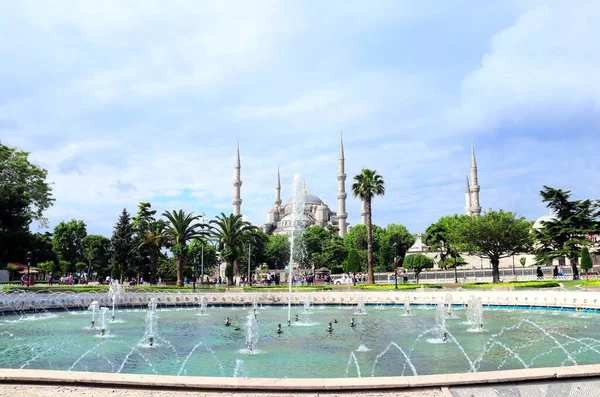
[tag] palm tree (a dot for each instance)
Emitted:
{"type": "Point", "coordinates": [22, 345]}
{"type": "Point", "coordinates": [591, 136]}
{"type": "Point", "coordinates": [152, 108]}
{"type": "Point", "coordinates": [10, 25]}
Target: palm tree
{"type": "Point", "coordinates": [152, 241]}
{"type": "Point", "coordinates": [181, 228]}
{"type": "Point", "coordinates": [368, 184]}
{"type": "Point", "coordinates": [232, 233]}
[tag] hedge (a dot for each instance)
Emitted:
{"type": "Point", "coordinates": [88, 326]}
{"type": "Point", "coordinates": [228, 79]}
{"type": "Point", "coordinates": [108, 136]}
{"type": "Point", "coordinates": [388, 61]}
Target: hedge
{"type": "Point", "coordinates": [590, 283]}
{"type": "Point", "coordinates": [515, 284]}
{"type": "Point", "coordinates": [295, 288]}
{"type": "Point", "coordinates": [393, 286]}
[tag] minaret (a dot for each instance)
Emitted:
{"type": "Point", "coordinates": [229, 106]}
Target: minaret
{"type": "Point", "coordinates": [237, 184]}
{"type": "Point", "coordinates": [341, 195]}
{"type": "Point", "coordinates": [468, 198]}
{"type": "Point", "coordinates": [475, 207]}
{"type": "Point", "coordinates": [278, 190]}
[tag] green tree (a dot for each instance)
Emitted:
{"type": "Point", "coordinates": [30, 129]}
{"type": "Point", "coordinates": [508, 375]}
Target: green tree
{"type": "Point", "coordinates": [367, 185]}
{"type": "Point", "coordinates": [46, 267]}
{"type": "Point", "coordinates": [277, 251]}
{"type": "Point", "coordinates": [258, 246]}
{"type": "Point", "coordinates": [122, 244]}
{"type": "Point", "coordinates": [151, 242]}
{"type": "Point", "coordinates": [24, 196]}
{"type": "Point", "coordinates": [333, 251]}
{"type": "Point", "coordinates": [417, 263]}
{"type": "Point", "coordinates": [233, 234]}
{"type": "Point", "coordinates": [96, 251]}
{"type": "Point", "coordinates": [182, 228]}
{"type": "Point", "coordinates": [166, 270]}
{"type": "Point", "coordinates": [195, 250]}
{"type": "Point", "coordinates": [586, 260]}
{"type": "Point", "coordinates": [353, 262]}
{"type": "Point", "coordinates": [495, 235]}
{"type": "Point", "coordinates": [312, 241]}
{"type": "Point", "coordinates": [67, 241]}
{"type": "Point", "coordinates": [565, 235]}
{"type": "Point", "coordinates": [395, 240]}
{"type": "Point", "coordinates": [66, 267]}
{"type": "Point", "coordinates": [444, 236]}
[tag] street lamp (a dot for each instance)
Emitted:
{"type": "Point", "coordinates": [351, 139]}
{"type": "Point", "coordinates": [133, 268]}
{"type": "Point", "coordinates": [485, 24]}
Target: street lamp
{"type": "Point", "coordinates": [249, 248]}
{"type": "Point", "coordinates": [28, 266]}
{"type": "Point", "coordinates": [395, 267]}
{"type": "Point", "coordinates": [202, 257]}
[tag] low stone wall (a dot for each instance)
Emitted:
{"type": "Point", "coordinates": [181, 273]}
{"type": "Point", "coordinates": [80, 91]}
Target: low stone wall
{"type": "Point", "coordinates": [189, 383]}
{"type": "Point", "coordinates": [577, 300]}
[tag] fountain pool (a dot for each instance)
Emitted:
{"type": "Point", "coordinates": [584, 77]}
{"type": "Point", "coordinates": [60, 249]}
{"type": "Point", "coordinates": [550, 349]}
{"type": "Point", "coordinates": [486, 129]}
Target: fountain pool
{"type": "Point", "coordinates": [387, 342]}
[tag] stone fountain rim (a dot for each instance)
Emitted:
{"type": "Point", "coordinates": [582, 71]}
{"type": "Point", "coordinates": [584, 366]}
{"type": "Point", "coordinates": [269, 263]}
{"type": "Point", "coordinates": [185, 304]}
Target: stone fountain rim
{"type": "Point", "coordinates": [144, 381]}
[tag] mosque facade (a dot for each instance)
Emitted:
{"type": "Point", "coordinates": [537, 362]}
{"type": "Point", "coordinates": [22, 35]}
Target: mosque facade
{"type": "Point", "coordinates": [316, 212]}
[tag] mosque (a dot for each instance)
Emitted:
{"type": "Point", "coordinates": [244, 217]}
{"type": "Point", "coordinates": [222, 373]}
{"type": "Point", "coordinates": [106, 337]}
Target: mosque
{"type": "Point", "coordinates": [316, 212]}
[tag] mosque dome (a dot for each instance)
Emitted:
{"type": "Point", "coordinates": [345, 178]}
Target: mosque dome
{"type": "Point", "coordinates": [307, 198]}
{"type": "Point", "coordinates": [546, 218]}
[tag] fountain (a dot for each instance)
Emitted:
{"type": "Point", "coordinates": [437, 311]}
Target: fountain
{"type": "Point", "coordinates": [103, 324]}
{"type": "Point", "coordinates": [306, 304]}
{"type": "Point", "coordinates": [202, 305]}
{"type": "Point", "coordinates": [113, 292]}
{"type": "Point", "coordinates": [448, 304]}
{"type": "Point", "coordinates": [151, 322]}
{"type": "Point", "coordinates": [360, 306]}
{"type": "Point", "coordinates": [94, 309]}
{"type": "Point", "coordinates": [399, 345]}
{"type": "Point", "coordinates": [297, 231]}
{"type": "Point", "coordinates": [251, 333]}
{"type": "Point", "coordinates": [475, 314]}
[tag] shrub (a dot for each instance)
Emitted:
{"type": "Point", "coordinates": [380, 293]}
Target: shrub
{"type": "Point", "coordinates": [515, 284]}
{"type": "Point", "coordinates": [393, 286]}
{"type": "Point", "coordinates": [586, 259]}
{"type": "Point", "coordinates": [353, 262]}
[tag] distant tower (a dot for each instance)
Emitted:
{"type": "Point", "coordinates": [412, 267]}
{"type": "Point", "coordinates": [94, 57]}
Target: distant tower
{"type": "Point", "coordinates": [278, 190]}
{"type": "Point", "coordinates": [237, 184]}
{"type": "Point", "coordinates": [341, 195]}
{"type": "Point", "coordinates": [468, 199]}
{"type": "Point", "coordinates": [475, 207]}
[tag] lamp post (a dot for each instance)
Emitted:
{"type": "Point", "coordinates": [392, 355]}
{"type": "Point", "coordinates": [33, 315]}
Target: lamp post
{"type": "Point", "coordinates": [395, 267]}
{"type": "Point", "coordinates": [28, 266]}
{"type": "Point", "coordinates": [249, 248]}
{"type": "Point", "coordinates": [202, 256]}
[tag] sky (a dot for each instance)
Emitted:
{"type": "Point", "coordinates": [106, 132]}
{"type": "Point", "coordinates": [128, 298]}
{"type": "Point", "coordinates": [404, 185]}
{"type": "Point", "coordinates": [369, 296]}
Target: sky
{"type": "Point", "coordinates": [129, 101]}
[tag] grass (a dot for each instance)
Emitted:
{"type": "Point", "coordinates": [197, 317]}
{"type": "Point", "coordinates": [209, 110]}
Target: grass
{"type": "Point", "coordinates": [58, 288]}
{"type": "Point", "coordinates": [387, 287]}
{"type": "Point", "coordinates": [100, 288]}
{"type": "Point", "coordinates": [285, 287]}
{"type": "Point", "coordinates": [515, 284]}
{"type": "Point", "coordinates": [589, 283]}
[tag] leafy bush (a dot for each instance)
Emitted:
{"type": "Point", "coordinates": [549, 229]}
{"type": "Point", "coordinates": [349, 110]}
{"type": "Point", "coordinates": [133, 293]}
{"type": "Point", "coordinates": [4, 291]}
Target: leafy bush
{"type": "Point", "coordinates": [58, 288]}
{"type": "Point", "coordinates": [393, 286]}
{"type": "Point", "coordinates": [285, 287]}
{"type": "Point", "coordinates": [591, 283]}
{"type": "Point", "coordinates": [515, 284]}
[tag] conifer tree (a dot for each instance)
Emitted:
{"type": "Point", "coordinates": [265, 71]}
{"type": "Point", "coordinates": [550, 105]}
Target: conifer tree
{"type": "Point", "coordinates": [122, 243]}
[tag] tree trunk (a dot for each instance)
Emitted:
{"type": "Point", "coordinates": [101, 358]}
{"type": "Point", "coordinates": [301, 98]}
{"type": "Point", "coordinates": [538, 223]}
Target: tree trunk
{"type": "Point", "coordinates": [179, 266]}
{"type": "Point", "coordinates": [370, 275]}
{"type": "Point", "coordinates": [495, 269]}
{"type": "Point", "coordinates": [153, 266]}
{"type": "Point", "coordinates": [235, 273]}
{"type": "Point", "coordinates": [574, 262]}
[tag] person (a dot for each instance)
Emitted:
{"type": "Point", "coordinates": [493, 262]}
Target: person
{"type": "Point", "coordinates": [23, 280]}
{"type": "Point", "coordinates": [555, 272]}
{"type": "Point", "coordinates": [540, 273]}
{"type": "Point", "coordinates": [50, 278]}
{"type": "Point", "coordinates": [404, 277]}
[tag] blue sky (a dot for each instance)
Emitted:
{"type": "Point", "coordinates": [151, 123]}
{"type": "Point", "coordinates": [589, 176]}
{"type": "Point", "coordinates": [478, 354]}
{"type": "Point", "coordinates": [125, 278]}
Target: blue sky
{"type": "Point", "coordinates": [145, 100]}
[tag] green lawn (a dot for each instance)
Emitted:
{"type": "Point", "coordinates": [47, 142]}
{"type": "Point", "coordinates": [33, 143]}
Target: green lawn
{"type": "Point", "coordinates": [515, 284]}
{"type": "Point", "coordinates": [387, 287]}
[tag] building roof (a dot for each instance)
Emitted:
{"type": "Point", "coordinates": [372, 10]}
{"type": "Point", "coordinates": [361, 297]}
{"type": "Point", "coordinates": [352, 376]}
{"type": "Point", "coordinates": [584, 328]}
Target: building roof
{"type": "Point", "coordinates": [307, 198]}
{"type": "Point", "coordinates": [546, 218]}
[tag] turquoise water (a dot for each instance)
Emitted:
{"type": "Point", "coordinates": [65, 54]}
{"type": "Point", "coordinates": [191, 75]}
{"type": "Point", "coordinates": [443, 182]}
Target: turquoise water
{"type": "Point", "coordinates": [200, 345]}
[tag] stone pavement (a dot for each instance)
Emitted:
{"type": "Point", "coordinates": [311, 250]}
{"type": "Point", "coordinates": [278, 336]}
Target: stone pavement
{"type": "Point", "coordinates": [556, 388]}
{"type": "Point", "coordinates": [78, 391]}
